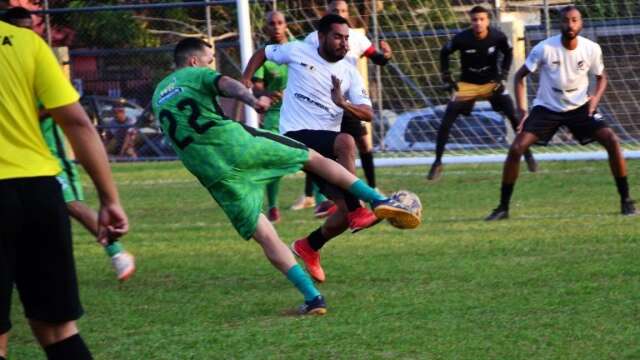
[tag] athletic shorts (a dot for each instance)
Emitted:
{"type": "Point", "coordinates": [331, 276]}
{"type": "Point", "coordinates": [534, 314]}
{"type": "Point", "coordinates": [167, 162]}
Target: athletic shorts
{"type": "Point", "coordinates": [353, 127]}
{"type": "Point", "coordinates": [240, 193]}
{"type": "Point", "coordinates": [36, 252]}
{"type": "Point", "coordinates": [544, 123]}
{"type": "Point", "coordinates": [70, 182]}
{"type": "Point", "coordinates": [322, 141]}
{"type": "Point", "coordinates": [472, 92]}
{"type": "Point", "coordinates": [271, 121]}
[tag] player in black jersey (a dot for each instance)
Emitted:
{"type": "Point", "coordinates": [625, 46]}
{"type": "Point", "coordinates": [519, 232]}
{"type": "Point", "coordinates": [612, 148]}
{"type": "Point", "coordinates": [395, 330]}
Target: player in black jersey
{"type": "Point", "coordinates": [481, 79]}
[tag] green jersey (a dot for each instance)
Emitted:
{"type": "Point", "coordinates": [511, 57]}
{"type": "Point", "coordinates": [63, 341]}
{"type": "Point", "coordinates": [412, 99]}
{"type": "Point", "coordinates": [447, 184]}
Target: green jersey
{"type": "Point", "coordinates": [53, 137]}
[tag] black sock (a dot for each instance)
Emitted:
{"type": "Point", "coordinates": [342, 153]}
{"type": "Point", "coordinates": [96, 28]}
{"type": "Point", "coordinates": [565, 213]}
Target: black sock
{"type": "Point", "coordinates": [505, 195]}
{"type": "Point", "coordinates": [3, 358]}
{"type": "Point", "coordinates": [623, 187]}
{"type": "Point", "coordinates": [71, 348]}
{"type": "Point", "coordinates": [316, 239]}
{"type": "Point", "coordinates": [369, 170]}
{"type": "Point", "coordinates": [308, 186]}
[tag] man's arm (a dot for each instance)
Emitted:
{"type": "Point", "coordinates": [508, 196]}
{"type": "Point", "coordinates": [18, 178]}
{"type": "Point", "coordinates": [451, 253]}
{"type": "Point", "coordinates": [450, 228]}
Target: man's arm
{"type": "Point", "coordinates": [380, 57]}
{"type": "Point", "coordinates": [601, 85]}
{"type": "Point", "coordinates": [112, 220]}
{"type": "Point", "coordinates": [257, 59]}
{"type": "Point", "coordinates": [445, 75]}
{"type": "Point", "coordinates": [519, 86]}
{"type": "Point", "coordinates": [361, 112]}
{"type": "Point", "coordinates": [234, 89]}
{"type": "Point", "coordinates": [507, 59]}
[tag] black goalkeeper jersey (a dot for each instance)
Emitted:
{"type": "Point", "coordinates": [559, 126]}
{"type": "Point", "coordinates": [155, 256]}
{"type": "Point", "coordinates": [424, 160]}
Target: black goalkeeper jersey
{"type": "Point", "coordinates": [479, 58]}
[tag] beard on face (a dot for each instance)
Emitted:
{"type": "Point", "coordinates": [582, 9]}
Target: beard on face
{"type": "Point", "coordinates": [334, 55]}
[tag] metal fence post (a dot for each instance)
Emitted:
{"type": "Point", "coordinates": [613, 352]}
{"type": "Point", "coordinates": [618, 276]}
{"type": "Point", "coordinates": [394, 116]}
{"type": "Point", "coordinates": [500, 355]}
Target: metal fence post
{"type": "Point", "coordinates": [246, 50]}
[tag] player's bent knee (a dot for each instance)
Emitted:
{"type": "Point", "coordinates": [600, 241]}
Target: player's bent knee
{"type": "Point", "coordinates": [345, 144]}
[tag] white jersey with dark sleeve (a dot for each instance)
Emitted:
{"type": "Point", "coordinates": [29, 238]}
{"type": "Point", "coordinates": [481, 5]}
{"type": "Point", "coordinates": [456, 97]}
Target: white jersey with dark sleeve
{"type": "Point", "coordinates": [359, 45]}
{"type": "Point", "coordinates": [307, 103]}
{"type": "Point", "coordinates": [564, 74]}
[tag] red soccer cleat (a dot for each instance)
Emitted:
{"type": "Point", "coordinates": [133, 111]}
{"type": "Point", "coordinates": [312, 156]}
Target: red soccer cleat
{"type": "Point", "coordinates": [361, 218]}
{"type": "Point", "coordinates": [310, 257]}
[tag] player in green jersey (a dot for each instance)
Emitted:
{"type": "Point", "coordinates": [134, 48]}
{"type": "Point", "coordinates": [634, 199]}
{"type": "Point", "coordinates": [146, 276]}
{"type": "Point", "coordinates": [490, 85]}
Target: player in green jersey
{"type": "Point", "coordinates": [270, 80]}
{"type": "Point", "coordinates": [235, 162]}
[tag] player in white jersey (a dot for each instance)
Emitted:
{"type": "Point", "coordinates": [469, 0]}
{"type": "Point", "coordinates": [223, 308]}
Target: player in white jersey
{"type": "Point", "coordinates": [359, 46]}
{"type": "Point", "coordinates": [318, 86]}
{"type": "Point", "coordinates": [565, 62]}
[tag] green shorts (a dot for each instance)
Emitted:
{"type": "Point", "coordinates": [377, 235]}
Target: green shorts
{"type": "Point", "coordinates": [70, 182]}
{"type": "Point", "coordinates": [240, 193]}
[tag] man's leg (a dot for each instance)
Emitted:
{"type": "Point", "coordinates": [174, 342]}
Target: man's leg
{"type": "Point", "coordinates": [282, 259]}
{"type": "Point", "coordinates": [366, 158]}
{"type": "Point", "coordinates": [306, 200]}
{"type": "Point", "coordinates": [273, 189]}
{"type": "Point", "coordinates": [505, 104]}
{"type": "Point", "coordinates": [345, 149]}
{"type": "Point", "coordinates": [4, 342]}
{"type": "Point", "coordinates": [450, 114]}
{"type": "Point", "coordinates": [122, 261]}
{"type": "Point", "coordinates": [510, 173]}
{"type": "Point", "coordinates": [618, 166]}
{"type": "Point", "coordinates": [60, 340]}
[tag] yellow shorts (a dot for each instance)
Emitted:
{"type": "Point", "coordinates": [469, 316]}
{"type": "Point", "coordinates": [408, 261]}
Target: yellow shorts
{"type": "Point", "coordinates": [468, 91]}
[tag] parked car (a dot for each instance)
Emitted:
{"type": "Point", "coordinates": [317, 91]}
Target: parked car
{"type": "Point", "coordinates": [150, 144]}
{"type": "Point", "coordinates": [417, 130]}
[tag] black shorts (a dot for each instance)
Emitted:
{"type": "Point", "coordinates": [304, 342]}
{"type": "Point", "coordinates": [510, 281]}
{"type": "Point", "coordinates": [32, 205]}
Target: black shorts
{"type": "Point", "coordinates": [35, 252]}
{"type": "Point", "coordinates": [544, 123]}
{"type": "Point", "coordinates": [322, 141]}
{"type": "Point", "coordinates": [353, 127]}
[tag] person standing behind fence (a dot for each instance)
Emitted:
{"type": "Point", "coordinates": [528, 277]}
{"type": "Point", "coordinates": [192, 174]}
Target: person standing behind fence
{"type": "Point", "coordinates": [270, 80]}
{"type": "Point", "coordinates": [120, 136]}
{"type": "Point", "coordinates": [35, 238]}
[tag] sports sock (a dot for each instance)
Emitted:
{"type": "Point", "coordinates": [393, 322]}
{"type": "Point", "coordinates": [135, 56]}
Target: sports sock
{"type": "Point", "coordinates": [623, 187]}
{"type": "Point", "coordinates": [302, 282]}
{"type": "Point", "coordinates": [71, 348]}
{"type": "Point", "coordinates": [505, 195]}
{"type": "Point", "coordinates": [273, 188]}
{"type": "Point", "coordinates": [319, 197]}
{"type": "Point", "coordinates": [316, 239]}
{"type": "Point", "coordinates": [3, 358]}
{"type": "Point", "coordinates": [308, 186]}
{"type": "Point", "coordinates": [365, 192]}
{"type": "Point", "coordinates": [369, 170]}
{"type": "Point", "coordinates": [114, 248]}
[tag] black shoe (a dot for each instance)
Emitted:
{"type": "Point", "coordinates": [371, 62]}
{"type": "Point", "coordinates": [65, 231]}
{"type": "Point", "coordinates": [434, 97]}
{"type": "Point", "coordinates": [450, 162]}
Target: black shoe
{"type": "Point", "coordinates": [532, 165]}
{"type": "Point", "coordinates": [499, 213]}
{"type": "Point", "coordinates": [315, 306]}
{"type": "Point", "coordinates": [627, 207]}
{"type": "Point", "coordinates": [435, 172]}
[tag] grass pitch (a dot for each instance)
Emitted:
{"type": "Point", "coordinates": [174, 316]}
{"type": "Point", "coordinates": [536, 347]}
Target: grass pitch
{"type": "Point", "coordinates": [559, 280]}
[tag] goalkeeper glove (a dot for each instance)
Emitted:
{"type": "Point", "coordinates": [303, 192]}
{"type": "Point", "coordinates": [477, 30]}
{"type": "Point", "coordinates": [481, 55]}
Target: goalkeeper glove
{"type": "Point", "coordinates": [449, 83]}
{"type": "Point", "coordinates": [501, 84]}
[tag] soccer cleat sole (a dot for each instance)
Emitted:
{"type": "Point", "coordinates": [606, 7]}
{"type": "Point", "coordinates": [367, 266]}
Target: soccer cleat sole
{"type": "Point", "coordinates": [399, 218]}
{"type": "Point", "coordinates": [316, 312]}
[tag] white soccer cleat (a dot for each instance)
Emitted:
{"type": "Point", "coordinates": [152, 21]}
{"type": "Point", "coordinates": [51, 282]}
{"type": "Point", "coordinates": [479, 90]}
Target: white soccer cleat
{"type": "Point", "coordinates": [125, 265]}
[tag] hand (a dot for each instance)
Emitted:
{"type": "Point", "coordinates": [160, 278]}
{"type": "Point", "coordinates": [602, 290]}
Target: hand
{"type": "Point", "coordinates": [386, 49]}
{"type": "Point", "coordinates": [522, 115]}
{"type": "Point", "coordinates": [449, 83]}
{"type": "Point", "coordinates": [262, 104]}
{"type": "Point", "coordinates": [112, 223]}
{"type": "Point", "coordinates": [501, 84]}
{"type": "Point", "coordinates": [336, 91]}
{"type": "Point", "coordinates": [593, 106]}
{"type": "Point", "coordinates": [247, 82]}
{"type": "Point", "coordinates": [275, 96]}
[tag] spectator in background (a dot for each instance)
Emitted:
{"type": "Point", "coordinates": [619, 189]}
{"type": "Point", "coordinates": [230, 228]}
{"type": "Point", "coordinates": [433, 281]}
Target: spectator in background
{"type": "Point", "coordinates": [120, 136]}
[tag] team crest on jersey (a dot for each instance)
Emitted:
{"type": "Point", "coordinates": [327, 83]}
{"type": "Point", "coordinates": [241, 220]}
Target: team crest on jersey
{"type": "Point", "coordinates": [581, 65]}
{"type": "Point", "coordinates": [491, 50]}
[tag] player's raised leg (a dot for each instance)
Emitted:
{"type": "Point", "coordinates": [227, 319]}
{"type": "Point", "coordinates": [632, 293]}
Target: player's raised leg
{"type": "Point", "coordinates": [618, 166]}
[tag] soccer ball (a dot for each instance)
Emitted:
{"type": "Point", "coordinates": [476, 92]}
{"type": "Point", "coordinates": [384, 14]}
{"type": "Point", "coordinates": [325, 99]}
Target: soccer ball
{"type": "Point", "coordinates": [412, 202]}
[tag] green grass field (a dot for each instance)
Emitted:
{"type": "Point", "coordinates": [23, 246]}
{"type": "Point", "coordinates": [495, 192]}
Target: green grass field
{"type": "Point", "coordinates": [559, 280]}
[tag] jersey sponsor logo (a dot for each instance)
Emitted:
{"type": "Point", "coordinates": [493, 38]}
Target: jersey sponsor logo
{"type": "Point", "coordinates": [556, 62]}
{"type": "Point", "coordinates": [6, 40]}
{"type": "Point", "coordinates": [164, 97]}
{"type": "Point", "coordinates": [309, 100]}
{"type": "Point", "coordinates": [310, 67]}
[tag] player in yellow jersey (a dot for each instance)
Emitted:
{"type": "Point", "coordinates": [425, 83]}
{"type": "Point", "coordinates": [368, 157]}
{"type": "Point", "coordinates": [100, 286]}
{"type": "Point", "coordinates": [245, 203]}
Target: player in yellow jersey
{"type": "Point", "coordinates": [35, 239]}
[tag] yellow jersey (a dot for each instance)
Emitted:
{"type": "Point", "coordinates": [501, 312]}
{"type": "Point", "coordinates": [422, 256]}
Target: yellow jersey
{"type": "Point", "coordinates": [29, 72]}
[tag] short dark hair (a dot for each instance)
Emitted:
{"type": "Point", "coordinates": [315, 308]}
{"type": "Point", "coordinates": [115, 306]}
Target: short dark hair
{"type": "Point", "coordinates": [324, 25]}
{"type": "Point", "coordinates": [185, 49]}
{"type": "Point", "coordinates": [16, 13]}
{"type": "Point", "coordinates": [568, 8]}
{"type": "Point", "coordinates": [478, 10]}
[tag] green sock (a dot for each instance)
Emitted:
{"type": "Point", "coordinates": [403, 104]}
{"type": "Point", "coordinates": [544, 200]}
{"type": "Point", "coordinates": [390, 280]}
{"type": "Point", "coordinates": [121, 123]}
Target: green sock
{"type": "Point", "coordinates": [113, 248]}
{"type": "Point", "coordinates": [302, 282]}
{"type": "Point", "coordinates": [318, 195]}
{"type": "Point", "coordinates": [364, 192]}
{"type": "Point", "coordinates": [273, 188]}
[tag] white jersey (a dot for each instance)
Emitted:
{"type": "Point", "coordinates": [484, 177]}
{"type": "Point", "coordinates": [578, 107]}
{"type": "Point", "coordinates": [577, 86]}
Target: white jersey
{"type": "Point", "coordinates": [564, 74]}
{"type": "Point", "coordinates": [359, 44]}
{"type": "Point", "coordinates": [307, 103]}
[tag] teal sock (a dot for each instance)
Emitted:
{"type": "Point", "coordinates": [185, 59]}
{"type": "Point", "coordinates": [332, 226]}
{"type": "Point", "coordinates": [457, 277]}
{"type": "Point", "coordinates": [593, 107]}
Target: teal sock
{"type": "Point", "coordinates": [113, 248]}
{"type": "Point", "coordinates": [273, 188]}
{"type": "Point", "coordinates": [318, 195]}
{"type": "Point", "coordinates": [302, 282]}
{"type": "Point", "coordinates": [365, 192]}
